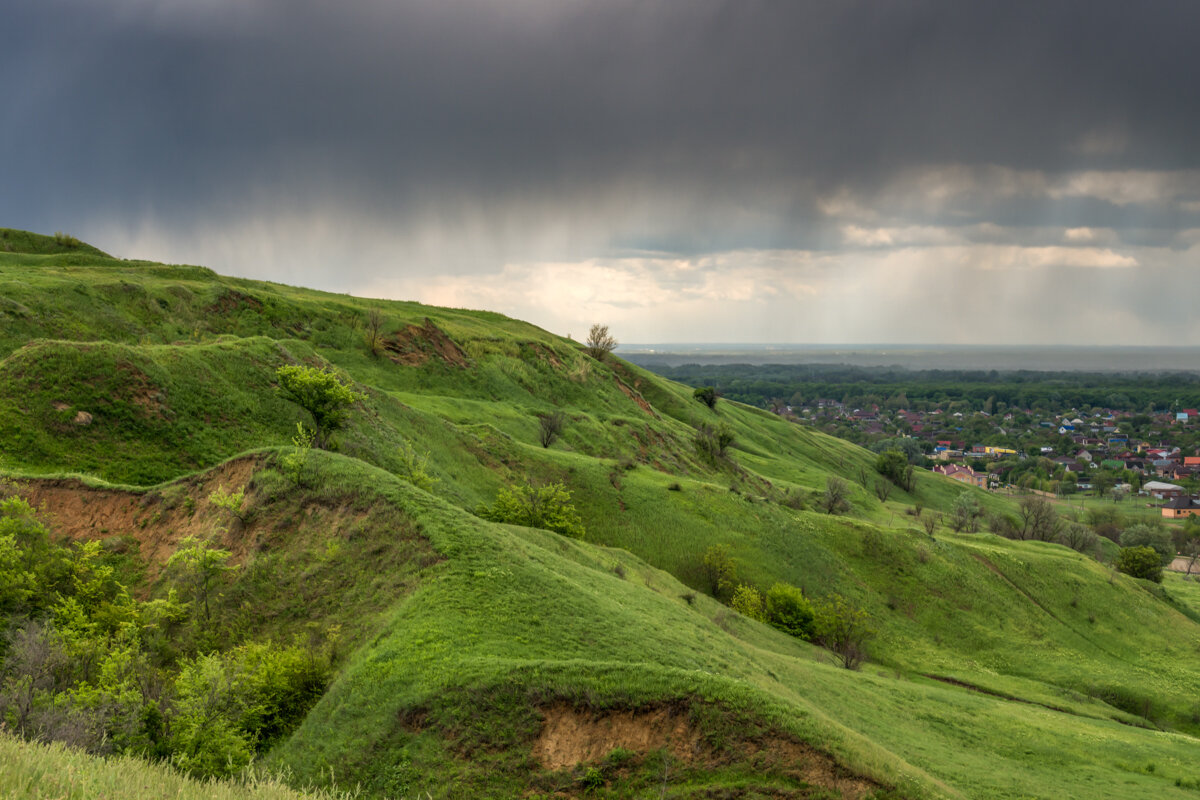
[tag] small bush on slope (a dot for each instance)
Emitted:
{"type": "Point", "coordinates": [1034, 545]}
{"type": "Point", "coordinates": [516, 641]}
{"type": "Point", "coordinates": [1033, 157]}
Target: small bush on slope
{"type": "Point", "coordinates": [789, 610]}
{"type": "Point", "coordinates": [546, 507]}
{"type": "Point", "coordinates": [322, 394]}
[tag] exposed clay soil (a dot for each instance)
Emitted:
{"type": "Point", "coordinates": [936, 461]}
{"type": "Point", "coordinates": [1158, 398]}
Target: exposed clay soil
{"type": "Point", "coordinates": [635, 396]}
{"type": "Point", "coordinates": [571, 736]}
{"type": "Point", "coordinates": [75, 512]}
{"type": "Point", "coordinates": [418, 344]}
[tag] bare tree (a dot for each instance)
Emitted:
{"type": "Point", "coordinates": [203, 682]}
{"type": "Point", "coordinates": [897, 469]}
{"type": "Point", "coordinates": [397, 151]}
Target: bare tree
{"type": "Point", "coordinates": [1038, 520]}
{"type": "Point", "coordinates": [374, 331]}
{"type": "Point", "coordinates": [36, 663]}
{"type": "Point", "coordinates": [836, 497]}
{"type": "Point", "coordinates": [550, 426]}
{"type": "Point", "coordinates": [1078, 536]}
{"type": "Point", "coordinates": [599, 342]}
{"type": "Point", "coordinates": [883, 489]}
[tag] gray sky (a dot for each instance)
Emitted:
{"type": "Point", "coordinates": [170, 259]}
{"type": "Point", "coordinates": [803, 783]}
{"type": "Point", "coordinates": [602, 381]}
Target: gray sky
{"type": "Point", "coordinates": [744, 171]}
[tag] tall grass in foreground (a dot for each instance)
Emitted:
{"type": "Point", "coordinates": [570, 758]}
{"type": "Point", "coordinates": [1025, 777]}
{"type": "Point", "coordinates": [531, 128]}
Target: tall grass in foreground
{"type": "Point", "coordinates": [30, 771]}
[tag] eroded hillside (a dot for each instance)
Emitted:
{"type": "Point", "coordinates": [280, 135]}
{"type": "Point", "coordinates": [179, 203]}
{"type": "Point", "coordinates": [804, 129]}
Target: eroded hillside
{"type": "Point", "coordinates": [480, 659]}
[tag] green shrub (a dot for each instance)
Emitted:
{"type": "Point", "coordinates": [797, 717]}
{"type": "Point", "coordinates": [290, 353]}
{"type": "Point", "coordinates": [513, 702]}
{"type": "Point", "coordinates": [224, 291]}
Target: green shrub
{"type": "Point", "coordinates": [1140, 562]}
{"type": "Point", "coordinates": [748, 602]}
{"type": "Point", "coordinates": [591, 779]}
{"type": "Point", "coordinates": [706, 395]}
{"type": "Point", "coordinates": [720, 570]}
{"type": "Point", "coordinates": [414, 467]}
{"type": "Point", "coordinates": [320, 393]}
{"type": "Point", "coordinates": [843, 629]}
{"type": "Point", "coordinates": [712, 442]}
{"type": "Point", "coordinates": [1159, 539]}
{"type": "Point", "coordinates": [197, 564]}
{"type": "Point", "coordinates": [230, 501]}
{"type": "Point", "coordinates": [893, 465]}
{"type": "Point", "coordinates": [789, 610]}
{"type": "Point", "coordinates": [547, 507]}
{"type": "Point", "coordinates": [229, 704]}
{"type": "Point", "coordinates": [295, 461]}
{"type": "Point", "coordinates": [965, 513]}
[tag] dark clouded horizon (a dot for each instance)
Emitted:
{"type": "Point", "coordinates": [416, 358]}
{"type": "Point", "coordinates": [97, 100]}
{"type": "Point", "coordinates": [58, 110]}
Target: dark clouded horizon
{"type": "Point", "coordinates": [685, 171]}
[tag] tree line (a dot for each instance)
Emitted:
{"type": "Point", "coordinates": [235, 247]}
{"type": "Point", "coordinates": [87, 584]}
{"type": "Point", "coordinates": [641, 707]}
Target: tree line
{"type": "Point", "coordinates": [977, 390]}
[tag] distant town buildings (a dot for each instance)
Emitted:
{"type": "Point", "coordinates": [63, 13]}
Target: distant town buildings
{"type": "Point", "coordinates": [1020, 449]}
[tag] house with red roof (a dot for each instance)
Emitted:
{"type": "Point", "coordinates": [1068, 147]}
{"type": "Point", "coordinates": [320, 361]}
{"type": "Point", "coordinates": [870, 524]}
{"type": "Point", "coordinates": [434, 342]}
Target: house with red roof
{"type": "Point", "coordinates": [963, 474]}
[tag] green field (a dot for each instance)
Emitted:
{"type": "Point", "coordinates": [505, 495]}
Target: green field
{"type": "Point", "coordinates": [477, 659]}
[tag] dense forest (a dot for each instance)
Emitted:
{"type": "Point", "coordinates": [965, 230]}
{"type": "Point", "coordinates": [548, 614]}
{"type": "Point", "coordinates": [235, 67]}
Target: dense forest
{"type": "Point", "coordinates": [976, 390]}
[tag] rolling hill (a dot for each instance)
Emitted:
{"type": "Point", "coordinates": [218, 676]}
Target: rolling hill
{"type": "Point", "coordinates": [479, 659]}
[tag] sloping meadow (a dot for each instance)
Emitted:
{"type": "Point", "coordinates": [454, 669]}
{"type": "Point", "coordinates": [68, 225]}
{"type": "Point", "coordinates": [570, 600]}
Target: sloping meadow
{"type": "Point", "coordinates": [481, 659]}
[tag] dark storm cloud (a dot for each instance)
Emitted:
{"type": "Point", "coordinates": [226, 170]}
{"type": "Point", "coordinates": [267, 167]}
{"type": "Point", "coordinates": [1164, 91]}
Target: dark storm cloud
{"type": "Point", "coordinates": [746, 170]}
{"type": "Point", "coordinates": [149, 104]}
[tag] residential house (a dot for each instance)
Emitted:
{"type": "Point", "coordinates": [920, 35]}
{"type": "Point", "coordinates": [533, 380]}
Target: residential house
{"type": "Point", "coordinates": [1163, 491]}
{"type": "Point", "coordinates": [1178, 472]}
{"type": "Point", "coordinates": [1178, 507]}
{"type": "Point", "coordinates": [963, 474]}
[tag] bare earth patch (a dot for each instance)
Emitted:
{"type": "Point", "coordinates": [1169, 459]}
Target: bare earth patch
{"type": "Point", "coordinates": [635, 396]}
{"type": "Point", "coordinates": [571, 736]}
{"type": "Point", "coordinates": [417, 344]}
{"type": "Point", "coordinates": [75, 512]}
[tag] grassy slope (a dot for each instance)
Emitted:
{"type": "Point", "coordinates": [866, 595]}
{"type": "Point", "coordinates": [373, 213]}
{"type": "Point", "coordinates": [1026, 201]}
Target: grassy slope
{"type": "Point", "coordinates": [1021, 620]}
{"type": "Point", "coordinates": [551, 620]}
{"type": "Point", "coordinates": [53, 772]}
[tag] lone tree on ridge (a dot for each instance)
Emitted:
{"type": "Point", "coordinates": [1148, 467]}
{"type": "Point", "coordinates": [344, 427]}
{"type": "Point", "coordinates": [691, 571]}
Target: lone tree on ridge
{"type": "Point", "coordinates": [599, 342]}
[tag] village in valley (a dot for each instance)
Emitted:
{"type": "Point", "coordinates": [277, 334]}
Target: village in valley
{"type": "Point", "coordinates": [1150, 458]}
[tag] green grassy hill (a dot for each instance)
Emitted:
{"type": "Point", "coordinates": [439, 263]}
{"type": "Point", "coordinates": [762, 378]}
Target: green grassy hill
{"type": "Point", "coordinates": [480, 659]}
